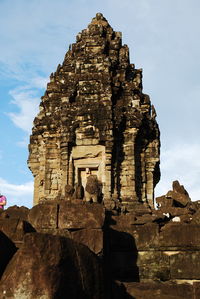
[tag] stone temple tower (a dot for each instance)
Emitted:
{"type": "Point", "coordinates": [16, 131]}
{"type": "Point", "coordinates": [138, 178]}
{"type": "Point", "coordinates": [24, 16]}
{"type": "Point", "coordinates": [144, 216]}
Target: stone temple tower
{"type": "Point", "coordinates": [94, 116]}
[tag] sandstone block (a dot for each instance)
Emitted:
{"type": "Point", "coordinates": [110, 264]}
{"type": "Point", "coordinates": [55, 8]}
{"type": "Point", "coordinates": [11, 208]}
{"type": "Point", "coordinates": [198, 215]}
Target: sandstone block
{"type": "Point", "coordinates": [135, 237]}
{"type": "Point", "coordinates": [196, 286]}
{"type": "Point", "coordinates": [153, 265]}
{"type": "Point", "coordinates": [178, 198]}
{"type": "Point", "coordinates": [82, 215]}
{"type": "Point", "coordinates": [15, 212]}
{"type": "Point", "coordinates": [155, 290]}
{"type": "Point", "coordinates": [92, 238]}
{"type": "Point", "coordinates": [15, 229]}
{"type": "Point", "coordinates": [164, 202]}
{"type": "Point", "coordinates": [49, 266]}
{"type": "Point", "coordinates": [174, 211]}
{"type": "Point", "coordinates": [44, 215]}
{"type": "Point", "coordinates": [179, 188]}
{"type": "Point", "coordinates": [178, 236]}
{"type": "Point", "coordinates": [195, 219]}
{"type": "Point", "coordinates": [185, 265]}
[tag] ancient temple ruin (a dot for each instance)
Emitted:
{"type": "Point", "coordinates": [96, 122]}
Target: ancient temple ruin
{"type": "Point", "coordinates": [95, 125]}
{"type": "Point", "coordinates": [95, 118]}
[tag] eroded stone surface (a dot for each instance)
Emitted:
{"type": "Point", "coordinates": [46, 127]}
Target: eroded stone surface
{"type": "Point", "coordinates": [78, 220]}
{"type": "Point", "coordinates": [152, 290]}
{"type": "Point", "coordinates": [44, 216]}
{"type": "Point", "coordinates": [52, 267]}
{"type": "Point", "coordinates": [15, 228]}
{"type": "Point", "coordinates": [15, 212]}
{"type": "Point", "coordinates": [81, 216]}
{"type": "Point", "coordinates": [94, 115]}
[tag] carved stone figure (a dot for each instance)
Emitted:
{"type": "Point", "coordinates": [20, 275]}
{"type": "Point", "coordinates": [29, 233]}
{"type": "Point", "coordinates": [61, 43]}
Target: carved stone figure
{"type": "Point", "coordinates": [92, 189]}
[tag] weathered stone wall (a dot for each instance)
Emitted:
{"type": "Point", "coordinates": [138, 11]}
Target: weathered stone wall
{"type": "Point", "coordinates": [146, 253]}
{"type": "Point", "coordinates": [94, 107]}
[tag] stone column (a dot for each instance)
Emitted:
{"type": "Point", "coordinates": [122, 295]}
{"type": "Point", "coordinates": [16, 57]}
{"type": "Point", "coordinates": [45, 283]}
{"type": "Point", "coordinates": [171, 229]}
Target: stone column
{"type": "Point", "coordinates": [71, 173]}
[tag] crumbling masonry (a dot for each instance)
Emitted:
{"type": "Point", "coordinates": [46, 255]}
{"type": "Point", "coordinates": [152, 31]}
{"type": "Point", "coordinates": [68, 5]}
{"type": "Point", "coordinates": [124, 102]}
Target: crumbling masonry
{"type": "Point", "coordinates": [94, 116]}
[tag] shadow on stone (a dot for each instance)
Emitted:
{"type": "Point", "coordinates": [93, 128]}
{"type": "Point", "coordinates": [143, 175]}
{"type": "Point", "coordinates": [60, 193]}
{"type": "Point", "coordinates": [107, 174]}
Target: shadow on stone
{"type": "Point", "coordinates": [120, 259]}
{"type": "Point", "coordinates": [7, 250]}
{"type": "Point", "coordinates": [122, 256]}
{"type": "Point", "coordinates": [118, 291]}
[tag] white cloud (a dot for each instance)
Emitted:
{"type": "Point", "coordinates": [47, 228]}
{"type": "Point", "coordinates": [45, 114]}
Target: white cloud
{"type": "Point", "coordinates": [180, 162]}
{"type": "Point", "coordinates": [27, 100]}
{"type": "Point", "coordinates": [21, 195]}
{"type": "Point", "coordinates": [27, 103]}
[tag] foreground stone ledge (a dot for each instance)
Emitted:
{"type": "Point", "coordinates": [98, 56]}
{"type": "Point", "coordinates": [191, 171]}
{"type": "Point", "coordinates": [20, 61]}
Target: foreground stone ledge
{"type": "Point", "coordinates": [75, 214]}
{"type": "Point", "coordinates": [159, 290]}
{"type": "Point", "coordinates": [92, 238]}
{"type": "Point", "coordinates": [49, 266]}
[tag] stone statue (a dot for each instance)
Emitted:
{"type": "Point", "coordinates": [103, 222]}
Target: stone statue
{"type": "Point", "coordinates": [92, 188]}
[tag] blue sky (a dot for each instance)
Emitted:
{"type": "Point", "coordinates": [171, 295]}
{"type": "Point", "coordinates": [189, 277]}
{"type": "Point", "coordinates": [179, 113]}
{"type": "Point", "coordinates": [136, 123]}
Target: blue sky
{"type": "Point", "coordinates": [163, 38]}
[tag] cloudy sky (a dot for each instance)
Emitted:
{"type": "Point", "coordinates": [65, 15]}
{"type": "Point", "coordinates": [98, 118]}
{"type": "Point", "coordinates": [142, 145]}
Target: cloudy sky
{"type": "Point", "coordinates": [164, 40]}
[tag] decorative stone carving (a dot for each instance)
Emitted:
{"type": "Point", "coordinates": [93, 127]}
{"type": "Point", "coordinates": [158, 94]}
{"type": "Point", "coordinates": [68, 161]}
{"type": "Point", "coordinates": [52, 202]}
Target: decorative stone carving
{"type": "Point", "coordinates": [94, 115]}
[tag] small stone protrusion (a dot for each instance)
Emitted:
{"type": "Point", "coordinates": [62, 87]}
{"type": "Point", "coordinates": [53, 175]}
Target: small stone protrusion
{"type": "Point", "coordinates": [153, 112]}
{"type": "Point", "coordinates": [99, 16]}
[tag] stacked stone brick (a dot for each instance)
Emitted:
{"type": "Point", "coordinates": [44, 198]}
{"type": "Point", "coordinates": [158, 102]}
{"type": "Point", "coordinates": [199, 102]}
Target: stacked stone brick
{"type": "Point", "coordinates": [94, 114]}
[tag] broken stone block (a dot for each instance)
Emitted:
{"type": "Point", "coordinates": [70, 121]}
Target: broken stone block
{"type": "Point", "coordinates": [175, 211]}
{"type": "Point", "coordinates": [179, 199]}
{"type": "Point", "coordinates": [179, 188]}
{"type": "Point", "coordinates": [44, 216]}
{"type": "Point", "coordinates": [196, 218]}
{"type": "Point", "coordinates": [164, 202]}
{"type": "Point", "coordinates": [49, 266]}
{"type": "Point", "coordinates": [15, 229]}
{"type": "Point", "coordinates": [15, 212]}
